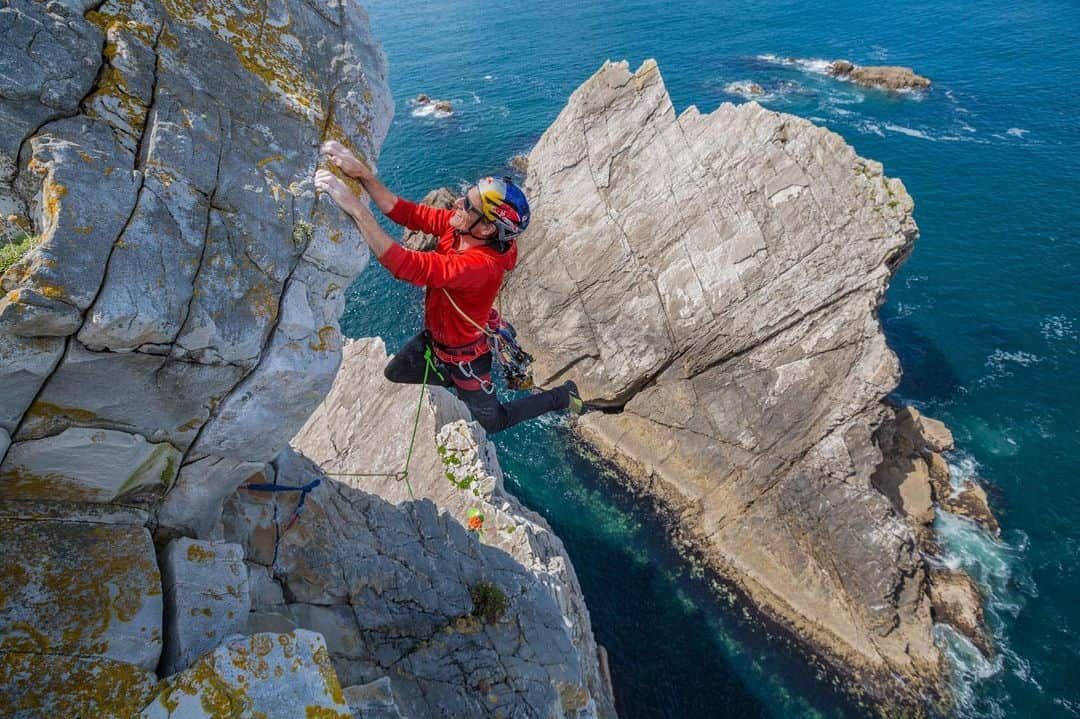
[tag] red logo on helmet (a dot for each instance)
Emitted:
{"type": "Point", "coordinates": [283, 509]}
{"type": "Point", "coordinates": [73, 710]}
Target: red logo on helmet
{"type": "Point", "coordinates": [507, 212]}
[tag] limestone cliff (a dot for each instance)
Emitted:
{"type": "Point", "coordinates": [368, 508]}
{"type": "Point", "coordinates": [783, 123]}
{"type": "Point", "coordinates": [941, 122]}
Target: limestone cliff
{"type": "Point", "coordinates": [170, 324]}
{"type": "Point", "coordinates": [714, 279]}
{"type": "Point", "coordinates": [454, 465]}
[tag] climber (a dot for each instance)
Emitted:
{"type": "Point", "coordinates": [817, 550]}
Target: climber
{"type": "Point", "coordinates": [462, 276]}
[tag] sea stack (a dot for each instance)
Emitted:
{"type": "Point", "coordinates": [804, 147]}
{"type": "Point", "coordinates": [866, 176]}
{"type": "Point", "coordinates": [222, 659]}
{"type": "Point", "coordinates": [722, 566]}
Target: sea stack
{"type": "Point", "coordinates": [714, 280]}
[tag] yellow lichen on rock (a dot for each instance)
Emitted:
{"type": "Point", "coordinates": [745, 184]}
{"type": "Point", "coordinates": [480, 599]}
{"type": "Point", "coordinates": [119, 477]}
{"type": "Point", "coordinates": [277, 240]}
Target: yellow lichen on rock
{"type": "Point", "coordinates": [327, 335]}
{"type": "Point", "coordinates": [69, 686]}
{"type": "Point", "coordinates": [261, 48]}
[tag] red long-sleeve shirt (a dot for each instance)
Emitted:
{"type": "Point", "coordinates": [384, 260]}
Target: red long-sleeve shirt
{"type": "Point", "coordinates": [472, 276]}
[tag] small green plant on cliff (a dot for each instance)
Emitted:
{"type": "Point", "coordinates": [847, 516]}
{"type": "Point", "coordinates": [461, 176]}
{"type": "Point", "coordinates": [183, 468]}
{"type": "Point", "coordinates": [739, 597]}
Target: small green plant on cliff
{"type": "Point", "coordinates": [489, 602]}
{"type": "Point", "coordinates": [14, 251]}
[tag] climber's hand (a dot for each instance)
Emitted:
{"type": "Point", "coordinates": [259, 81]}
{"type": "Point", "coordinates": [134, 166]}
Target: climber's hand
{"type": "Point", "coordinates": [342, 157]}
{"type": "Point", "coordinates": [334, 186]}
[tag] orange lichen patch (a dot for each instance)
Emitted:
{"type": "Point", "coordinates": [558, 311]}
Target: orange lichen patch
{"type": "Point", "coordinates": [52, 192]}
{"type": "Point", "coordinates": [199, 553]}
{"type": "Point", "coordinates": [267, 160]}
{"type": "Point", "coordinates": [46, 417]}
{"type": "Point", "coordinates": [191, 425]}
{"type": "Point", "coordinates": [53, 292]}
{"type": "Point", "coordinates": [83, 229]}
{"type": "Point", "coordinates": [314, 712]}
{"type": "Point", "coordinates": [335, 237]}
{"type": "Point", "coordinates": [120, 17]}
{"type": "Point", "coordinates": [327, 335]}
{"type": "Point", "coordinates": [262, 644]}
{"type": "Point", "coordinates": [64, 686]}
{"type": "Point", "coordinates": [20, 483]}
{"type": "Point", "coordinates": [113, 94]}
{"type": "Point", "coordinates": [201, 680]}
{"type": "Point", "coordinates": [24, 637]}
{"type": "Point", "coordinates": [326, 671]}
{"type": "Point", "coordinates": [86, 157]}
{"type": "Point", "coordinates": [331, 289]}
{"type": "Point", "coordinates": [262, 301]}
{"type": "Point", "coordinates": [168, 40]}
{"type": "Point", "coordinates": [77, 585]}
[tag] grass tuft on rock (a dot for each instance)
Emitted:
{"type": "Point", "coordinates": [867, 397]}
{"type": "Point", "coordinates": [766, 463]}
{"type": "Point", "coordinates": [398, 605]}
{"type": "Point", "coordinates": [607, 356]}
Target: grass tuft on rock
{"type": "Point", "coordinates": [14, 251]}
{"type": "Point", "coordinates": [489, 602]}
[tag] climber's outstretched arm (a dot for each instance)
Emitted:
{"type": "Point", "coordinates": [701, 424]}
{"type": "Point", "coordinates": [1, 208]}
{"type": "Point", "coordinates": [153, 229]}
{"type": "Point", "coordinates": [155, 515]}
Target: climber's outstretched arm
{"type": "Point", "coordinates": [348, 163]}
{"type": "Point", "coordinates": [331, 184]}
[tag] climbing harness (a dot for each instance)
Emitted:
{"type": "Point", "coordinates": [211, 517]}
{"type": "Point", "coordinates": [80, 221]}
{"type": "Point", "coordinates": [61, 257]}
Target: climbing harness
{"type": "Point", "coordinates": [502, 341]}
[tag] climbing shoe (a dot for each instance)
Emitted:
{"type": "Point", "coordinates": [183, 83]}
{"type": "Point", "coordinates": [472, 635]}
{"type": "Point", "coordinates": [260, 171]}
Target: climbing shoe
{"type": "Point", "coordinates": [577, 405]}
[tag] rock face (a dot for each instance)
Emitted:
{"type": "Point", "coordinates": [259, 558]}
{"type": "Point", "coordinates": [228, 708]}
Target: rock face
{"type": "Point", "coordinates": [206, 586]}
{"type": "Point", "coordinates": [271, 675]}
{"type": "Point", "coordinates": [442, 198]}
{"type": "Point", "coordinates": [80, 610]}
{"type": "Point", "coordinates": [389, 587]}
{"type": "Point", "coordinates": [884, 77]}
{"type": "Point", "coordinates": [173, 327]}
{"type": "Point", "coordinates": [715, 277]}
{"type": "Point", "coordinates": [454, 465]}
{"type": "Point", "coordinates": [163, 151]}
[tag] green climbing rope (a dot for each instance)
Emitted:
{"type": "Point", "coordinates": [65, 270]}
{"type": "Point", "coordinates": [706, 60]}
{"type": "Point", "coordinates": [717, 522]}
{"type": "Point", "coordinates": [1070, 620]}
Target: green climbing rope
{"type": "Point", "coordinates": [429, 366]}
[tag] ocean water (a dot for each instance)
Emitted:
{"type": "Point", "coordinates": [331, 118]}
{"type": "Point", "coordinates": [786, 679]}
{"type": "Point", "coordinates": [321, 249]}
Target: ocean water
{"type": "Point", "coordinates": [985, 316]}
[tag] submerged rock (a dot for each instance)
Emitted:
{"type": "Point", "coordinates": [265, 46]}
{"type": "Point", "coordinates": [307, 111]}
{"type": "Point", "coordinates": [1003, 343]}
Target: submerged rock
{"type": "Point", "coordinates": [713, 279]}
{"type": "Point", "coordinates": [958, 602]}
{"type": "Point", "coordinates": [884, 77]}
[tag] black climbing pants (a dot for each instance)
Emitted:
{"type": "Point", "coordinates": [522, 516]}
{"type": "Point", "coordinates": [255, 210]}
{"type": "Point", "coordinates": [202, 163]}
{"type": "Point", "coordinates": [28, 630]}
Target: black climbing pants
{"type": "Point", "coordinates": [407, 367]}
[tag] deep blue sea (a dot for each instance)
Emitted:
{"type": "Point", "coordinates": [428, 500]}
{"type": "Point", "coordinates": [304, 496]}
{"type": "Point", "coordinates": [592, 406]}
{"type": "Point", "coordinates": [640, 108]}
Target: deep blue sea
{"type": "Point", "coordinates": [985, 315]}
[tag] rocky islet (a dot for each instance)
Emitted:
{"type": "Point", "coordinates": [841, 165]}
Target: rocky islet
{"type": "Point", "coordinates": [712, 281]}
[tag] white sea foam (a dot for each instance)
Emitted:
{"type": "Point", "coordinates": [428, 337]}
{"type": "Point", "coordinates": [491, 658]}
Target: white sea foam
{"type": "Point", "coordinates": [999, 570]}
{"type": "Point", "coordinates": [1017, 131]}
{"type": "Point", "coordinates": [815, 65]}
{"type": "Point", "coordinates": [1058, 327]}
{"type": "Point", "coordinates": [748, 89]}
{"type": "Point", "coordinates": [908, 131]}
{"type": "Point", "coordinates": [475, 97]}
{"type": "Point", "coordinates": [963, 468]}
{"type": "Point", "coordinates": [870, 127]}
{"type": "Point", "coordinates": [999, 359]}
{"type": "Point", "coordinates": [429, 111]}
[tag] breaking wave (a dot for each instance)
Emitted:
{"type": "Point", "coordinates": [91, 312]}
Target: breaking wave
{"type": "Point", "coordinates": [814, 65]}
{"type": "Point", "coordinates": [1000, 571]}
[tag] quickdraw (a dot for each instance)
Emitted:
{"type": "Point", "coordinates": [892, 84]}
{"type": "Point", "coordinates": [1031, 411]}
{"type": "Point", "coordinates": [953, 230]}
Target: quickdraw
{"type": "Point", "coordinates": [467, 370]}
{"type": "Point", "coordinates": [516, 361]}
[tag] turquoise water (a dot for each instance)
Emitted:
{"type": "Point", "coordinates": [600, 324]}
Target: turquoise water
{"type": "Point", "coordinates": [985, 316]}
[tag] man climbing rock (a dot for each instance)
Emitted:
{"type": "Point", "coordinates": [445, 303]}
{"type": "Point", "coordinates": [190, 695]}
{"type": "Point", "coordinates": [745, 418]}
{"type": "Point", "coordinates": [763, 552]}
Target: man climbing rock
{"type": "Point", "coordinates": [462, 276]}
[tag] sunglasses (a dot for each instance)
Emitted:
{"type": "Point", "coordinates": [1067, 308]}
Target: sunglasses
{"type": "Point", "coordinates": [470, 207]}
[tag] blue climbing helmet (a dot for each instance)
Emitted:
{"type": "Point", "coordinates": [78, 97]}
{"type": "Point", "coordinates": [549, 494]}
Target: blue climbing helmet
{"type": "Point", "coordinates": [504, 205]}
